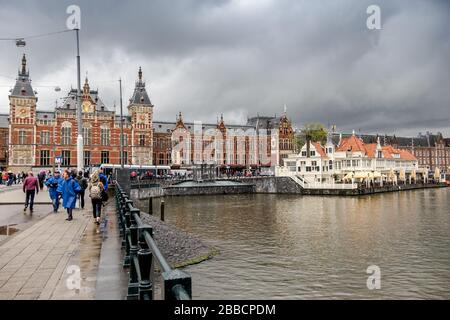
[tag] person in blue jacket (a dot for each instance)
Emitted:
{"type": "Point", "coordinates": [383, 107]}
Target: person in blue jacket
{"type": "Point", "coordinates": [103, 179]}
{"type": "Point", "coordinates": [68, 190]}
{"type": "Point", "coordinates": [52, 184]}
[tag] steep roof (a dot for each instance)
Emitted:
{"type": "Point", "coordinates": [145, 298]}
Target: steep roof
{"type": "Point", "coordinates": [428, 140]}
{"type": "Point", "coordinates": [352, 143]}
{"type": "Point", "coordinates": [319, 149]}
{"type": "Point", "coordinates": [45, 115]}
{"type": "Point", "coordinates": [140, 95]}
{"type": "Point", "coordinates": [4, 120]}
{"type": "Point", "coordinates": [167, 126]}
{"type": "Point", "coordinates": [388, 152]}
{"type": "Point", "coordinates": [70, 102]}
{"type": "Point", "coordinates": [23, 87]}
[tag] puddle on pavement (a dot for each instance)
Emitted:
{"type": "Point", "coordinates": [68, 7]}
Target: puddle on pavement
{"type": "Point", "coordinates": [8, 230]}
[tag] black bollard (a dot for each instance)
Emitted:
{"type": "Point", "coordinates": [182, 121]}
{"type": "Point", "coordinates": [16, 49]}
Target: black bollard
{"type": "Point", "coordinates": [150, 205]}
{"type": "Point", "coordinates": [162, 209]}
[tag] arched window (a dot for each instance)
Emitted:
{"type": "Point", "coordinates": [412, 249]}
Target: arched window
{"type": "Point", "coordinates": [104, 135]}
{"type": "Point", "coordinates": [66, 133]}
{"type": "Point", "coordinates": [87, 134]}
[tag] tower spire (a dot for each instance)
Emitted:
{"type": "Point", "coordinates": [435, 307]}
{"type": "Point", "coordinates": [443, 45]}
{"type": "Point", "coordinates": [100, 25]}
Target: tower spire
{"type": "Point", "coordinates": [24, 64]}
{"type": "Point", "coordinates": [140, 74]}
{"type": "Point", "coordinates": [86, 89]}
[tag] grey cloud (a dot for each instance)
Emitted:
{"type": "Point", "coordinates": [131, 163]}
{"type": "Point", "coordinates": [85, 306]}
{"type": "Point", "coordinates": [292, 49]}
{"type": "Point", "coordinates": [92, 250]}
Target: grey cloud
{"type": "Point", "coordinates": [210, 57]}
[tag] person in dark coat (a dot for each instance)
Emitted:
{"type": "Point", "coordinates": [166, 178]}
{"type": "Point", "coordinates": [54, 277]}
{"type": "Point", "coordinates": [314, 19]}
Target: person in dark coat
{"type": "Point", "coordinates": [30, 188]}
{"type": "Point", "coordinates": [41, 178]}
{"type": "Point", "coordinates": [83, 182]}
{"type": "Point", "coordinates": [68, 191]}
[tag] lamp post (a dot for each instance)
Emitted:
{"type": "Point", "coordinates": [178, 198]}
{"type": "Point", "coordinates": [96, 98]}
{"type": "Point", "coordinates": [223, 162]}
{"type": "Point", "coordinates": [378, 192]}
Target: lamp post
{"type": "Point", "coordinates": [121, 126]}
{"type": "Point", "coordinates": [79, 114]}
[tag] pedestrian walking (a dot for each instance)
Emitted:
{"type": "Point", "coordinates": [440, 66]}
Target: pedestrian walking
{"type": "Point", "coordinates": [10, 178]}
{"type": "Point", "coordinates": [52, 185]}
{"type": "Point", "coordinates": [5, 178]}
{"type": "Point", "coordinates": [83, 182]}
{"type": "Point", "coordinates": [68, 191]}
{"type": "Point", "coordinates": [30, 188]}
{"type": "Point", "coordinates": [103, 179]}
{"type": "Point", "coordinates": [41, 178]}
{"type": "Point", "coordinates": [96, 189]}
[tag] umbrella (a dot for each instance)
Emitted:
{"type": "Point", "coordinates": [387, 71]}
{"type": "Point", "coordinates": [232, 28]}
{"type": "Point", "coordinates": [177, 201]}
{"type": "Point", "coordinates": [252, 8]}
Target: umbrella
{"type": "Point", "coordinates": [414, 174]}
{"type": "Point", "coordinates": [391, 175]}
{"type": "Point", "coordinates": [377, 174]}
{"type": "Point", "coordinates": [402, 175]}
{"type": "Point", "coordinates": [437, 174]}
{"type": "Point", "coordinates": [360, 175]}
{"type": "Point", "coordinates": [348, 176]}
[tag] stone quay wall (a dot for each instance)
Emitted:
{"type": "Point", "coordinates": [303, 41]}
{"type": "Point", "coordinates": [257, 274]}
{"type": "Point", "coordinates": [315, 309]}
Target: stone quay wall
{"type": "Point", "coordinates": [209, 190]}
{"type": "Point", "coordinates": [274, 185]}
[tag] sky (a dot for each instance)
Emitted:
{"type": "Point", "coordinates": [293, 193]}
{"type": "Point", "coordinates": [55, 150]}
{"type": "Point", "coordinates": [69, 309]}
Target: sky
{"type": "Point", "coordinates": [245, 57]}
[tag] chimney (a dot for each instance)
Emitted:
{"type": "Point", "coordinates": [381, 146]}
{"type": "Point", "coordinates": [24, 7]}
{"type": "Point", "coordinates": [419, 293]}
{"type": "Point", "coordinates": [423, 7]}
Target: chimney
{"type": "Point", "coordinates": [308, 147]}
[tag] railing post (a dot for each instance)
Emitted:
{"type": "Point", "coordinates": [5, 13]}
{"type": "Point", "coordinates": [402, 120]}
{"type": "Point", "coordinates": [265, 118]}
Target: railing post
{"type": "Point", "coordinates": [145, 258]}
{"type": "Point", "coordinates": [133, 283]}
{"type": "Point", "coordinates": [162, 209]}
{"type": "Point", "coordinates": [177, 285]}
{"type": "Point", "coordinates": [145, 265]}
{"type": "Point", "coordinates": [150, 205]}
{"type": "Point", "coordinates": [126, 260]}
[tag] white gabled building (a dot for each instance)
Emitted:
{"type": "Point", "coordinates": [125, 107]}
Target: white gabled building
{"type": "Point", "coordinates": [350, 162]}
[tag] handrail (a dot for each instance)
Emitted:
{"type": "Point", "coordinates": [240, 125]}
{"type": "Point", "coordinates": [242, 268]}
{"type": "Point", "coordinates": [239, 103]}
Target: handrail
{"type": "Point", "coordinates": [140, 249]}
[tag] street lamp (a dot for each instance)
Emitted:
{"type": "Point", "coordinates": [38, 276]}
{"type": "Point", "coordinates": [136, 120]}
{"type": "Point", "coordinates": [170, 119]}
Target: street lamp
{"type": "Point", "coordinates": [121, 127]}
{"type": "Point", "coordinates": [20, 42]}
{"type": "Point", "coordinates": [79, 114]}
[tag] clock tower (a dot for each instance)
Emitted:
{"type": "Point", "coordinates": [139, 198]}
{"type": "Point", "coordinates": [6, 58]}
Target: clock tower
{"type": "Point", "coordinates": [87, 104]}
{"type": "Point", "coordinates": [141, 112]}
{"type": "Point", "coordinates": [22, 124]}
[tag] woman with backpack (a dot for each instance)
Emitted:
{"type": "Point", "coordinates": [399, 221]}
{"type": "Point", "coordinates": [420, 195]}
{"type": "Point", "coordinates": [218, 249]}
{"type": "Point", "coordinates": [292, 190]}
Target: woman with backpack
{"type": "Point", "coordinates": [96, 189]}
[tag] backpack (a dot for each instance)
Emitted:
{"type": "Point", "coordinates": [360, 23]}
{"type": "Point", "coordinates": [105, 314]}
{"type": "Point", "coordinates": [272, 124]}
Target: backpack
{"type": "Point", "coordinates": [96, 192]}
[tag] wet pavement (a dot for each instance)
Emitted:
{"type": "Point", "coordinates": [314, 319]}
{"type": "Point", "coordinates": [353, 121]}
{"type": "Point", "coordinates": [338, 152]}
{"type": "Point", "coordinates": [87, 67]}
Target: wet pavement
{"type": "Point", "coordinates": [13, 215]}
{"type": "Point", "coordinates": [46, 257]}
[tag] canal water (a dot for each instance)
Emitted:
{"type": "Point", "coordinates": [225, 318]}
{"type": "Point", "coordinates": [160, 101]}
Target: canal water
{"type": "Point", "coordinates": [303, 247]}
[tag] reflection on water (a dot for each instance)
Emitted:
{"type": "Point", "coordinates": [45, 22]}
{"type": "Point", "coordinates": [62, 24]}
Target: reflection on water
{"type": "Point", "coordinates": [283, 246]}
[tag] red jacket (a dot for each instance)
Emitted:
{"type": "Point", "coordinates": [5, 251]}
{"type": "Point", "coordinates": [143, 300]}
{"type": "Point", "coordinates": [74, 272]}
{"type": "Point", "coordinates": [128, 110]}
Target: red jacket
{"type": "Point", "coordinates": [31, 183]}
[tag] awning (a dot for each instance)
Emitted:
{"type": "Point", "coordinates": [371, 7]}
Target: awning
{"type": "Point", "coordinates": [437, 174]}
{"type": "Point", "coordinates": [349, 176]}
{"type": "Point", "coordinates": [402, 175]}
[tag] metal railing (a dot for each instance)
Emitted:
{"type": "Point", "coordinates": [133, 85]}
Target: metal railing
{"type": "Point", "coordinates": [141, 252]}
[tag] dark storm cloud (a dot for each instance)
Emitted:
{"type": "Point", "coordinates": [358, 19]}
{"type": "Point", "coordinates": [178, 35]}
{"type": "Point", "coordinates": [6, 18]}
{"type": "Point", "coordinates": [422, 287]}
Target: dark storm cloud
{"type": "Point", "coordinates": [252, 56]}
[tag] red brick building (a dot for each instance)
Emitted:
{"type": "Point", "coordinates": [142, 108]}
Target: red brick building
{"type": "Point", "coordinates": [37, 137]}
{"type": "Point", "coordinates": [264, 143]}
{"type": "Point", "coordinates": [4, 141]}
